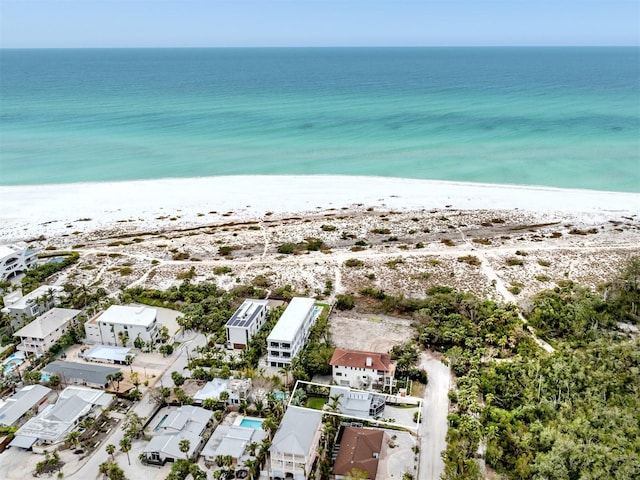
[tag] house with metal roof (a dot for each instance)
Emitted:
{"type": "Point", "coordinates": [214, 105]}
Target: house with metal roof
{"type": "Point", "coordinates": [358, 403]}
{"type": "Point", "coordinates": [55, 421]}
{"type": "Point", "coordinates": [26, 400]}
{"type": "Point", "coordinates": [246, 321]}
{"type": "Point", "coordinates": [237, 388]}
{"type": "Point", "coordinates": [38, 336]}
{"type": "Point", "coordinates": [232, 440]}
{"type": "Point", "coordinates": [294, 446]}
{"type": "Point", "coordinates": [86, 374]}
{"type": "Point", "coordinates": [358, 369]}
{"type": "Point", "coordinates": [358, 450]}
{"type": "Point", "coordinates": [290, 334]}
{"type": "Point", "coordinates": [185, 423]}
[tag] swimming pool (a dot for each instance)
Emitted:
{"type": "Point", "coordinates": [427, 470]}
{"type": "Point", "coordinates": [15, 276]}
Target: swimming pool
{"type": "Point", "coordinates": [45, 378]}
{"type": "Point", "coordinates": [160, 423]}
{"type": "Point", "coordinates": [254, 423]}
{"type": "Point", "coordinates": [12, 362]}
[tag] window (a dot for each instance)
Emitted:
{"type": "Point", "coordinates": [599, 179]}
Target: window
{"type": "Point", "coordinates": [338, 374]}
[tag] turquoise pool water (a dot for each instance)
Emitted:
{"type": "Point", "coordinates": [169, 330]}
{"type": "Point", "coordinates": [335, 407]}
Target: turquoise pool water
{"type": "Point", "coordinates": [251, 423]}
{"type": "Point", "coordinates": [11, 363]}
{"type": "Point", "coordinates": [160, 423]}
{"type": "Point", "coordinates": [44, 377]}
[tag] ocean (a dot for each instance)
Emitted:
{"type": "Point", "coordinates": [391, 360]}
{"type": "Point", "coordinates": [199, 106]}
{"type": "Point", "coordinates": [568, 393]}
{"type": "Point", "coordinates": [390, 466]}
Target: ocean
{"type": "Point", "coordinates": [560, 117]}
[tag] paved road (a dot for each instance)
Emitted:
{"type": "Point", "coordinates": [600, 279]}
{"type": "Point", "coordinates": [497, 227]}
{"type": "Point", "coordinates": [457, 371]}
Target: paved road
{"type": "Point", "coordinates": [433, 429]}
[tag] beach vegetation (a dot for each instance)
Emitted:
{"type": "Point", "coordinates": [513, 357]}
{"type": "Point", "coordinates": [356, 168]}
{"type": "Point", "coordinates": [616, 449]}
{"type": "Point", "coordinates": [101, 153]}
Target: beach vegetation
{"type": "Point", "coordinates": [544, 263]}
{"type": "Point", "coordinates": [227, 250]}
{"type": "Point", "coordinates": [310, 244]}
{"type": "Point", "coordinates": [448, 242]}
{"type": "Point", "coordinates": [513, 262]}
{"type": "Point", "coordinates": [328, 228]}
{"type": "Point", "coordinates": [470, 260]}
{"type": "Point", "coordinates": [36, 276]}
{"type": "Point", "coordinates": [345, 301]}
{"type": "Point", "coordinates": [180, 256]}
{"type": "Point", "coordinates": [381, 231]}
{"type": "Point", "coordinates": [353, 262]}
{"type": "Point", "coordinates": [393, 263]}
{"type": "Point", "coordinates": [124, 271]}
{"type": "Point", "coordinates": [481, 241]}
{"type": "Point", "coordinates": [521, 253]}
{"type": "Point", "coordinates": [419, 245]}
{"type": "Point", "coordinates": [186, 274]}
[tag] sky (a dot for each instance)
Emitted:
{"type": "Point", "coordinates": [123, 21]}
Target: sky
{"type": "Point", "coordinates": [303, 23]}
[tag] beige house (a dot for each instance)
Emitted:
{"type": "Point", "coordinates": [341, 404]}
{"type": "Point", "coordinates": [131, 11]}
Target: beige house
{"type": "Point", "coordinates": [38, 336]}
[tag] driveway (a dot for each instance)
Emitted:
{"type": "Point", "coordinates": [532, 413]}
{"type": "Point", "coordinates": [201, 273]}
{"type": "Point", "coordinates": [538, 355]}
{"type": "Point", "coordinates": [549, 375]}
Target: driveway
{"type": "Point", "coordinates": [433, 429]}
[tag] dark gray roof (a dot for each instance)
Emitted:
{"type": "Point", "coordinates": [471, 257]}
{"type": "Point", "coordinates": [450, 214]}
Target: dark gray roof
{"type": "Point", "coordinates": [94, 374]}
{"type": "Point", "coordinates": [246, 314]}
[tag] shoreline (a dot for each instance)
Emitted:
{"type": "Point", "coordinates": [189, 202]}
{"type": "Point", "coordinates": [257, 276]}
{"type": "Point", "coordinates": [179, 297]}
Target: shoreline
{"type": "Point", "coordinates": [50, 209]}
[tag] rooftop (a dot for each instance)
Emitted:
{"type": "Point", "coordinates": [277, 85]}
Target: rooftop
{"type": "Point", "coordinates": [11, 249]}
{"type": "Point", "coordinates": [359, 448]}
{"type": "Point", "coordinates": [105, 352]}
{"type": "Point", "coordinates": [246, 314]}
{"type": "Point", "coordinates": [358, 359]}
{"type": "Point", "coordinates": [21, 402]}
{"type": "Point", "coordinates": [47, 323]}
{"type": "Point", "coordinates": [292, 319]}
{"type": "Point", "coordinates": [127, 315]}
{"type": "Point", "coordinates": [296, 432]}
{"type": "Point", "coordinates": [95, 374]}
{"type": "Point", "coordinates": [16, 300]}
{"type": "Point", "coordinates": [55, 420]}
{"type": "Point", "coordinates": [232, 440]}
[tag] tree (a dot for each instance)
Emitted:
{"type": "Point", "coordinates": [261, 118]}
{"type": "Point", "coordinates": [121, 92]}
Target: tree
{"type": "Point", "coordinates": [184, 446]}
{"type": "Point", "coordinates": [285, 370]}
{"type": "Point", "coordinates": [73, 438]}
{"type": "Point", "coordinates": [117, 377]}
{"type": "Point", "coordinates": [125, 447]}
{"type": "Point", "coordinates": [224, 397]}
{"type": "Point", "coordinates": [111, 450]}
{"type": "Point", "coordinates": [133, 425]}
{"type": "Point", "coordinates": [177, 378]}
{"type": "Point", "coordinates": [54, 381]}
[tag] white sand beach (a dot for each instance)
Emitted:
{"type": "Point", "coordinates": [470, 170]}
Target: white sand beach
{"type": "Point", "coordinates": [31, 211]}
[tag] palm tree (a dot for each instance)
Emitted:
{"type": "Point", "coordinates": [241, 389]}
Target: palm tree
{"type": "Point", "coordinates": [184, 447]}
{"type": "Point", "coordinates": [269, 425]}
{"type": "Point", "coordinates": [285, 370]}
{"type": "Point", "coordinates": [118, 377]}
{"type": "Point", "coordinates": [73, 438]}
{"type": "Point", "coordinates": [111, 450]}
{"type": "Point", "coordinates": [125, 447]}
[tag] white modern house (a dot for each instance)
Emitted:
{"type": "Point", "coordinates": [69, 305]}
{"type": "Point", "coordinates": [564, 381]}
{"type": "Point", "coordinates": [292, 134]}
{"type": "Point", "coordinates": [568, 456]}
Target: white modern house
{"type": "Point", "coordinates": [23, 308]}
{"type": "Point", "coordinates": [295, 444]}
{"type": "Point", "coordinates": [55, 421]}
{"type": "Point", "coordinates": [358, 403]}
{"type": "Point", "coordinates": [237, 388]}
{"type": "Point", "coordinates": [232, 440]}
{"type": "Point", "coordinates": [184, 423]}
{"type": "Point", "coordinates": [38, 336]}
{"type": "Point", "coordinates": [120, 325]}
{"type": "Point", "coordinates": [15, 259]}
{"type": "Point", "coordinates": [291, 332]}
{"type": "Point", "coordinates": [358, 369]}
{"type": "Point", "coordinates": [246, 321]}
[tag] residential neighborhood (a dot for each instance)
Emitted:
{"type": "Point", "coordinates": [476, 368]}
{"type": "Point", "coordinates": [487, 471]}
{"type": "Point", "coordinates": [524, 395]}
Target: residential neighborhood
{"type": "Point", "coordinates": [85, 382]}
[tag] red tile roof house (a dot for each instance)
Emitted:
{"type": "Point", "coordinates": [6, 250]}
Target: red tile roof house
{"type": "Point", "coordinates": [356, 369]}
{"type": "Point", "coordinates": [359, 449]}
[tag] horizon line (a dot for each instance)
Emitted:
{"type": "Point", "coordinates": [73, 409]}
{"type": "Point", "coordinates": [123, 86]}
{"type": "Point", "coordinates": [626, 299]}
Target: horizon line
{"type": "Point", "coordinates": [231, 47]}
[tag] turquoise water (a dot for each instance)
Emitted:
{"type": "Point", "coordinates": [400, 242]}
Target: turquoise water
{"type": "Point", "coordinates": [159, 425]}
{"type": "Point", "coordinates": [249, 423]}
{"type": "Point", "coordinates": [565, 117]}
{"type": "Point", "coordinates": [44, 377]}
{"type": "Point", "coordinates": [11, 363]}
